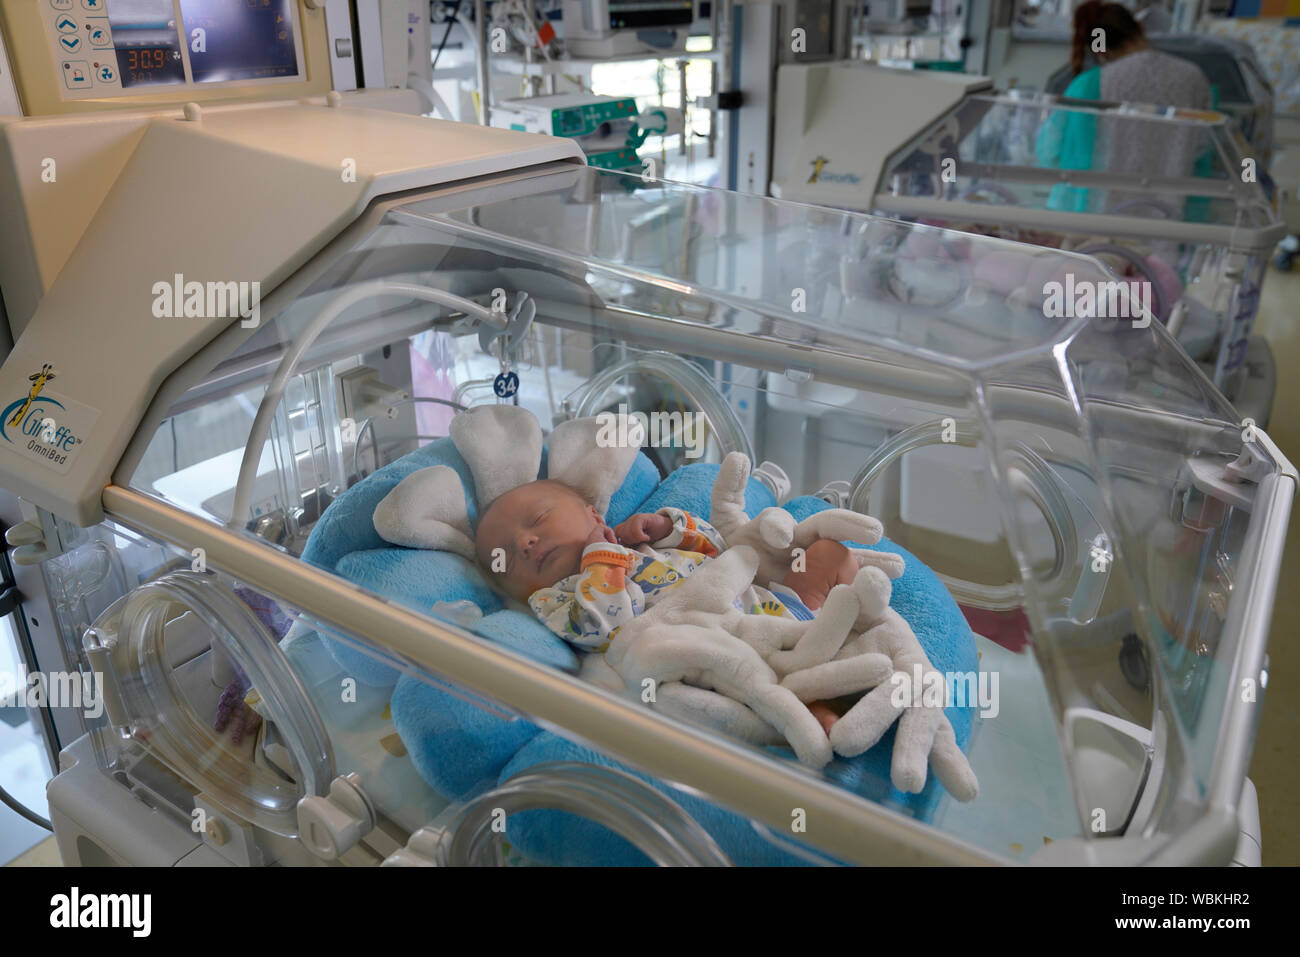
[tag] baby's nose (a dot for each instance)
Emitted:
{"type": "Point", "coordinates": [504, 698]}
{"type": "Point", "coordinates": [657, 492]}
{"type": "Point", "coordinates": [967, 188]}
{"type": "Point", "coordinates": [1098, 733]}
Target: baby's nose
{"type": "Point", "coordinates": [527, 541]}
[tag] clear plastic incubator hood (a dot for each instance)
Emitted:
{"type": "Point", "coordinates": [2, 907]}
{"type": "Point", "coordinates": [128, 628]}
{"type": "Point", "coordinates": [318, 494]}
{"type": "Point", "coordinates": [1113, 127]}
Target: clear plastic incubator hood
{"type": "Point", "coordinates": [1175, 199]}
{"type": "Point", "coordinates": [1078, 488]}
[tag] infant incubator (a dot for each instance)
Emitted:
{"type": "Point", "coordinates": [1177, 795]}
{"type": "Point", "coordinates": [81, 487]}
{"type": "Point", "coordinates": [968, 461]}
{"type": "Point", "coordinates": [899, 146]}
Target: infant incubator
{"type": "Point", "coordinates": [244, 315]}
{"type": "Point", "coordinates": [1175, 199]}
{"type": "Point", "coordinates": [1120, 582]}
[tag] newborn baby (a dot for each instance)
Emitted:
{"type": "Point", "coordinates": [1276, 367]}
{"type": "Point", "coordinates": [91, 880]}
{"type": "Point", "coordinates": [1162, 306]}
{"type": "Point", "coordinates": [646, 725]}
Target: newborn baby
{"type": "Point", "coordinates": [585, 579]}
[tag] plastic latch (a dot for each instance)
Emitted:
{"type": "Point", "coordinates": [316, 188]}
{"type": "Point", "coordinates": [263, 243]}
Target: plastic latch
{"type": "Point", "coordinates": [1248, 467]}
{"type": "Point", "coordinates": [31, 540]}
{"type": "Point", "coordinates": [330, 825]}
{"type": "Point", "coordinates": [774, 477]}
{"type": "Point", "coordinates": [420, 851]}
{"type": "Point", "coordinates": [516, 327]}
{"type": "Point", "coordinates": [99, 653]}
{"type": "Point", "coordinates": [1220, 483]}
{"type": "Point", "coordinates": [837, 493]}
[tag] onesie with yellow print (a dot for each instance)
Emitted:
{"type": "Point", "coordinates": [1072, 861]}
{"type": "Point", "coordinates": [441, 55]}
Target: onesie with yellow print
{"type": "Point", "coordinates": [616, 583]}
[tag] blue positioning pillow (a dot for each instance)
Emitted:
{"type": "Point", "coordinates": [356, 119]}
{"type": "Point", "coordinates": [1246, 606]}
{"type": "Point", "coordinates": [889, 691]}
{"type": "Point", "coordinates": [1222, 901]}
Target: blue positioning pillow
{"type": "Point", "coordinates": [461, 745]}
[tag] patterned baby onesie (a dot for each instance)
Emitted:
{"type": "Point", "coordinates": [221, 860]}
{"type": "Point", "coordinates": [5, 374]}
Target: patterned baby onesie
{"type": "Point", "coordinates": [616, 583]}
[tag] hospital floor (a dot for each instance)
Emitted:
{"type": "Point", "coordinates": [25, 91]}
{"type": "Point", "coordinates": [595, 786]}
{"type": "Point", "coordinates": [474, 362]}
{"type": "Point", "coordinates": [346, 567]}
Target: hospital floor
{"type": "Point", "coordinates": [1275, 768]}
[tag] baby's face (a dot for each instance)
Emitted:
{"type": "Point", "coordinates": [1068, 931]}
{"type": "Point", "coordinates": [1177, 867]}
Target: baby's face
{"type": "Point", "coordinates": [542, 528]}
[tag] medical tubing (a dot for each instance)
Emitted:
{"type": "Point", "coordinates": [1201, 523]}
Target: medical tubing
{"type": "Point", "coordinates": [650, 821]}
{"type": "Point", "coordinates": [298, 348]}
{"type": "Point", "coordinates": [11, 802]}
{"type": "Point", "coordinates": [374, 442]}
{"type": "Point", "coordinates": [685, 376]}
{"type": "Point", "coordinates": [425, 88]}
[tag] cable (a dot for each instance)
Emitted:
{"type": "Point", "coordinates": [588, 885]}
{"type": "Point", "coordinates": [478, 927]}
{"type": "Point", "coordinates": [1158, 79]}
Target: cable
{"type": "Point", "coordinates": [374, 441]}
{"type": "Point", "coordinates": [451, 19]}
{"type": "Point", "coordinates": [11, 802]}
{"type": "Point", "coordinates": [341, 302]}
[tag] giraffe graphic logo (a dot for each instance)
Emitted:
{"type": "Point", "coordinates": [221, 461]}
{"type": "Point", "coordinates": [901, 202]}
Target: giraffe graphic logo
{"type": "Point", "coordinates": [38, 380]}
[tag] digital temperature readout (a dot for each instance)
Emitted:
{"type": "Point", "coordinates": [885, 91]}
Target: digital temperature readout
{"type": "Point", "coordinates": [150, 65]}
{"type": "Point", "coordinates": [132, 46]}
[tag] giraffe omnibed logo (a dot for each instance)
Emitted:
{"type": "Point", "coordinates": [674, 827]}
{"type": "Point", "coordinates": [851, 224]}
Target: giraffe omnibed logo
{"type": "Point", "coordinates": [34, 416]}
{"type": "Point", "coordinates": [819, 174]}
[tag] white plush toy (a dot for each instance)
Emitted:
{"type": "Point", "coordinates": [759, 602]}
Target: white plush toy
{"type": "Point", "coordinates": [710, 663]}
{"type": "Point", "coordinates": [694, 645]}
{"type": "Point", "coordinates": [883, 652]}
{"type": "Point", "coordinates": [695, 639]}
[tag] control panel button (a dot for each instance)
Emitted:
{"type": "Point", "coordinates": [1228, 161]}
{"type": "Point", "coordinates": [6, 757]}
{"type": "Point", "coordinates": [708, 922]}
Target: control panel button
{"type": "Point", "coordinates": [70, 43]}
{"type": "Point", "coordinates": [99, 36]}
{"type": "Point", "coordinates": [106, 73]}
{"type": "Point", "coordinates": [94, 6]}
{"type": "Point", "coordinates": [65, 24]}
{"type": "Point", "coordinates": [61, 4]}
{"type": "Point", "coordinates": [76, 74]}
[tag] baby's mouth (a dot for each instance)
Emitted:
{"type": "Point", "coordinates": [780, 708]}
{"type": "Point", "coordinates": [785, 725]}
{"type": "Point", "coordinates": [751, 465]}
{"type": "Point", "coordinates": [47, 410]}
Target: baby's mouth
{"type": "Point", "coordinates": [543, 556]}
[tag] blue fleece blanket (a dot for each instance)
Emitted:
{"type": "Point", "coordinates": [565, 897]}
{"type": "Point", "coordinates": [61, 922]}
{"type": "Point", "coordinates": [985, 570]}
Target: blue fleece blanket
{"type": "Point", "coordinates": [461, 746]}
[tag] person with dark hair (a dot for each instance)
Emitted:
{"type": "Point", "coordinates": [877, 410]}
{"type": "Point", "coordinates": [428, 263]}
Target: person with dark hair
{"type": "Point", "coordinates": [1107, 29]}
{"type": "Point", "coordinates": [1130, 71]}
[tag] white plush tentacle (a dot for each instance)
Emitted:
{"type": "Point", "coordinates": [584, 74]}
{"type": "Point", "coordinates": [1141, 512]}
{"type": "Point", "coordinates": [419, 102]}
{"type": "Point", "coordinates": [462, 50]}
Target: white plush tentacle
{"type": "Point", "coordinates": [835, 678]}
{"type": "Point", "coordinates": [684, 638]}
{"type": "Point", "coordinates": [727, 500]}
{"type": "Point", "coordinates": [710, 709]}
{"type": "Point", "coordinates": [839, 525]}
{"type": "Point", "coordinates": [889, 563]}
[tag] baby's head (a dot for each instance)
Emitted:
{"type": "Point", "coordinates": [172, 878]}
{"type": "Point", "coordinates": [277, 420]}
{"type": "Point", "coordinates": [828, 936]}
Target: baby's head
{"type": "Point", "coordinates": [542, 527]}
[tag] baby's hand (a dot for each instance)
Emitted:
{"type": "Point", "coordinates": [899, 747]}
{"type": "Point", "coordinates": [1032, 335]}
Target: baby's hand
{"type": "Point", "coordinates": [643, 528]}
{"type": "Point", "coordinates": [602, 533]}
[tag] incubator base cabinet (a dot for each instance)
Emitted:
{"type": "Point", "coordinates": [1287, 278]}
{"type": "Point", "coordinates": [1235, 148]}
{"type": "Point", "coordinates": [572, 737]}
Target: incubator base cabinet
{"type": "Point", "coordinates": [283, 684]}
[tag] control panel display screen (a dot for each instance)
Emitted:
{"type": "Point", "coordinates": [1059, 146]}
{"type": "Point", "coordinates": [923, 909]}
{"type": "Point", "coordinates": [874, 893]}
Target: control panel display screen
{"type": "Point", "coordinates": [240, 39]}
{"type": "Point", "coordinates": [107, 48]}
{"type": "Point", "coordinates": [145, 41]}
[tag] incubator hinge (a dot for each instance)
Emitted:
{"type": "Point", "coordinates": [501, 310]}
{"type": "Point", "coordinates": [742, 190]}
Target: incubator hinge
{"type": "Point", "coordinates": [332, 824]}
{"type": "Point", "coordinates": [1234, 483]}
{"type": "Point", "coordinates": [420, 851]}
{"type": "Point", "coordinates": [837, 493]}
{"type": "Point", "coordinates": [512, 333]}
{"type": "Point", "coordinates": [34, 540]}
{"type": "Point", "coordinates": [774, 477]}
